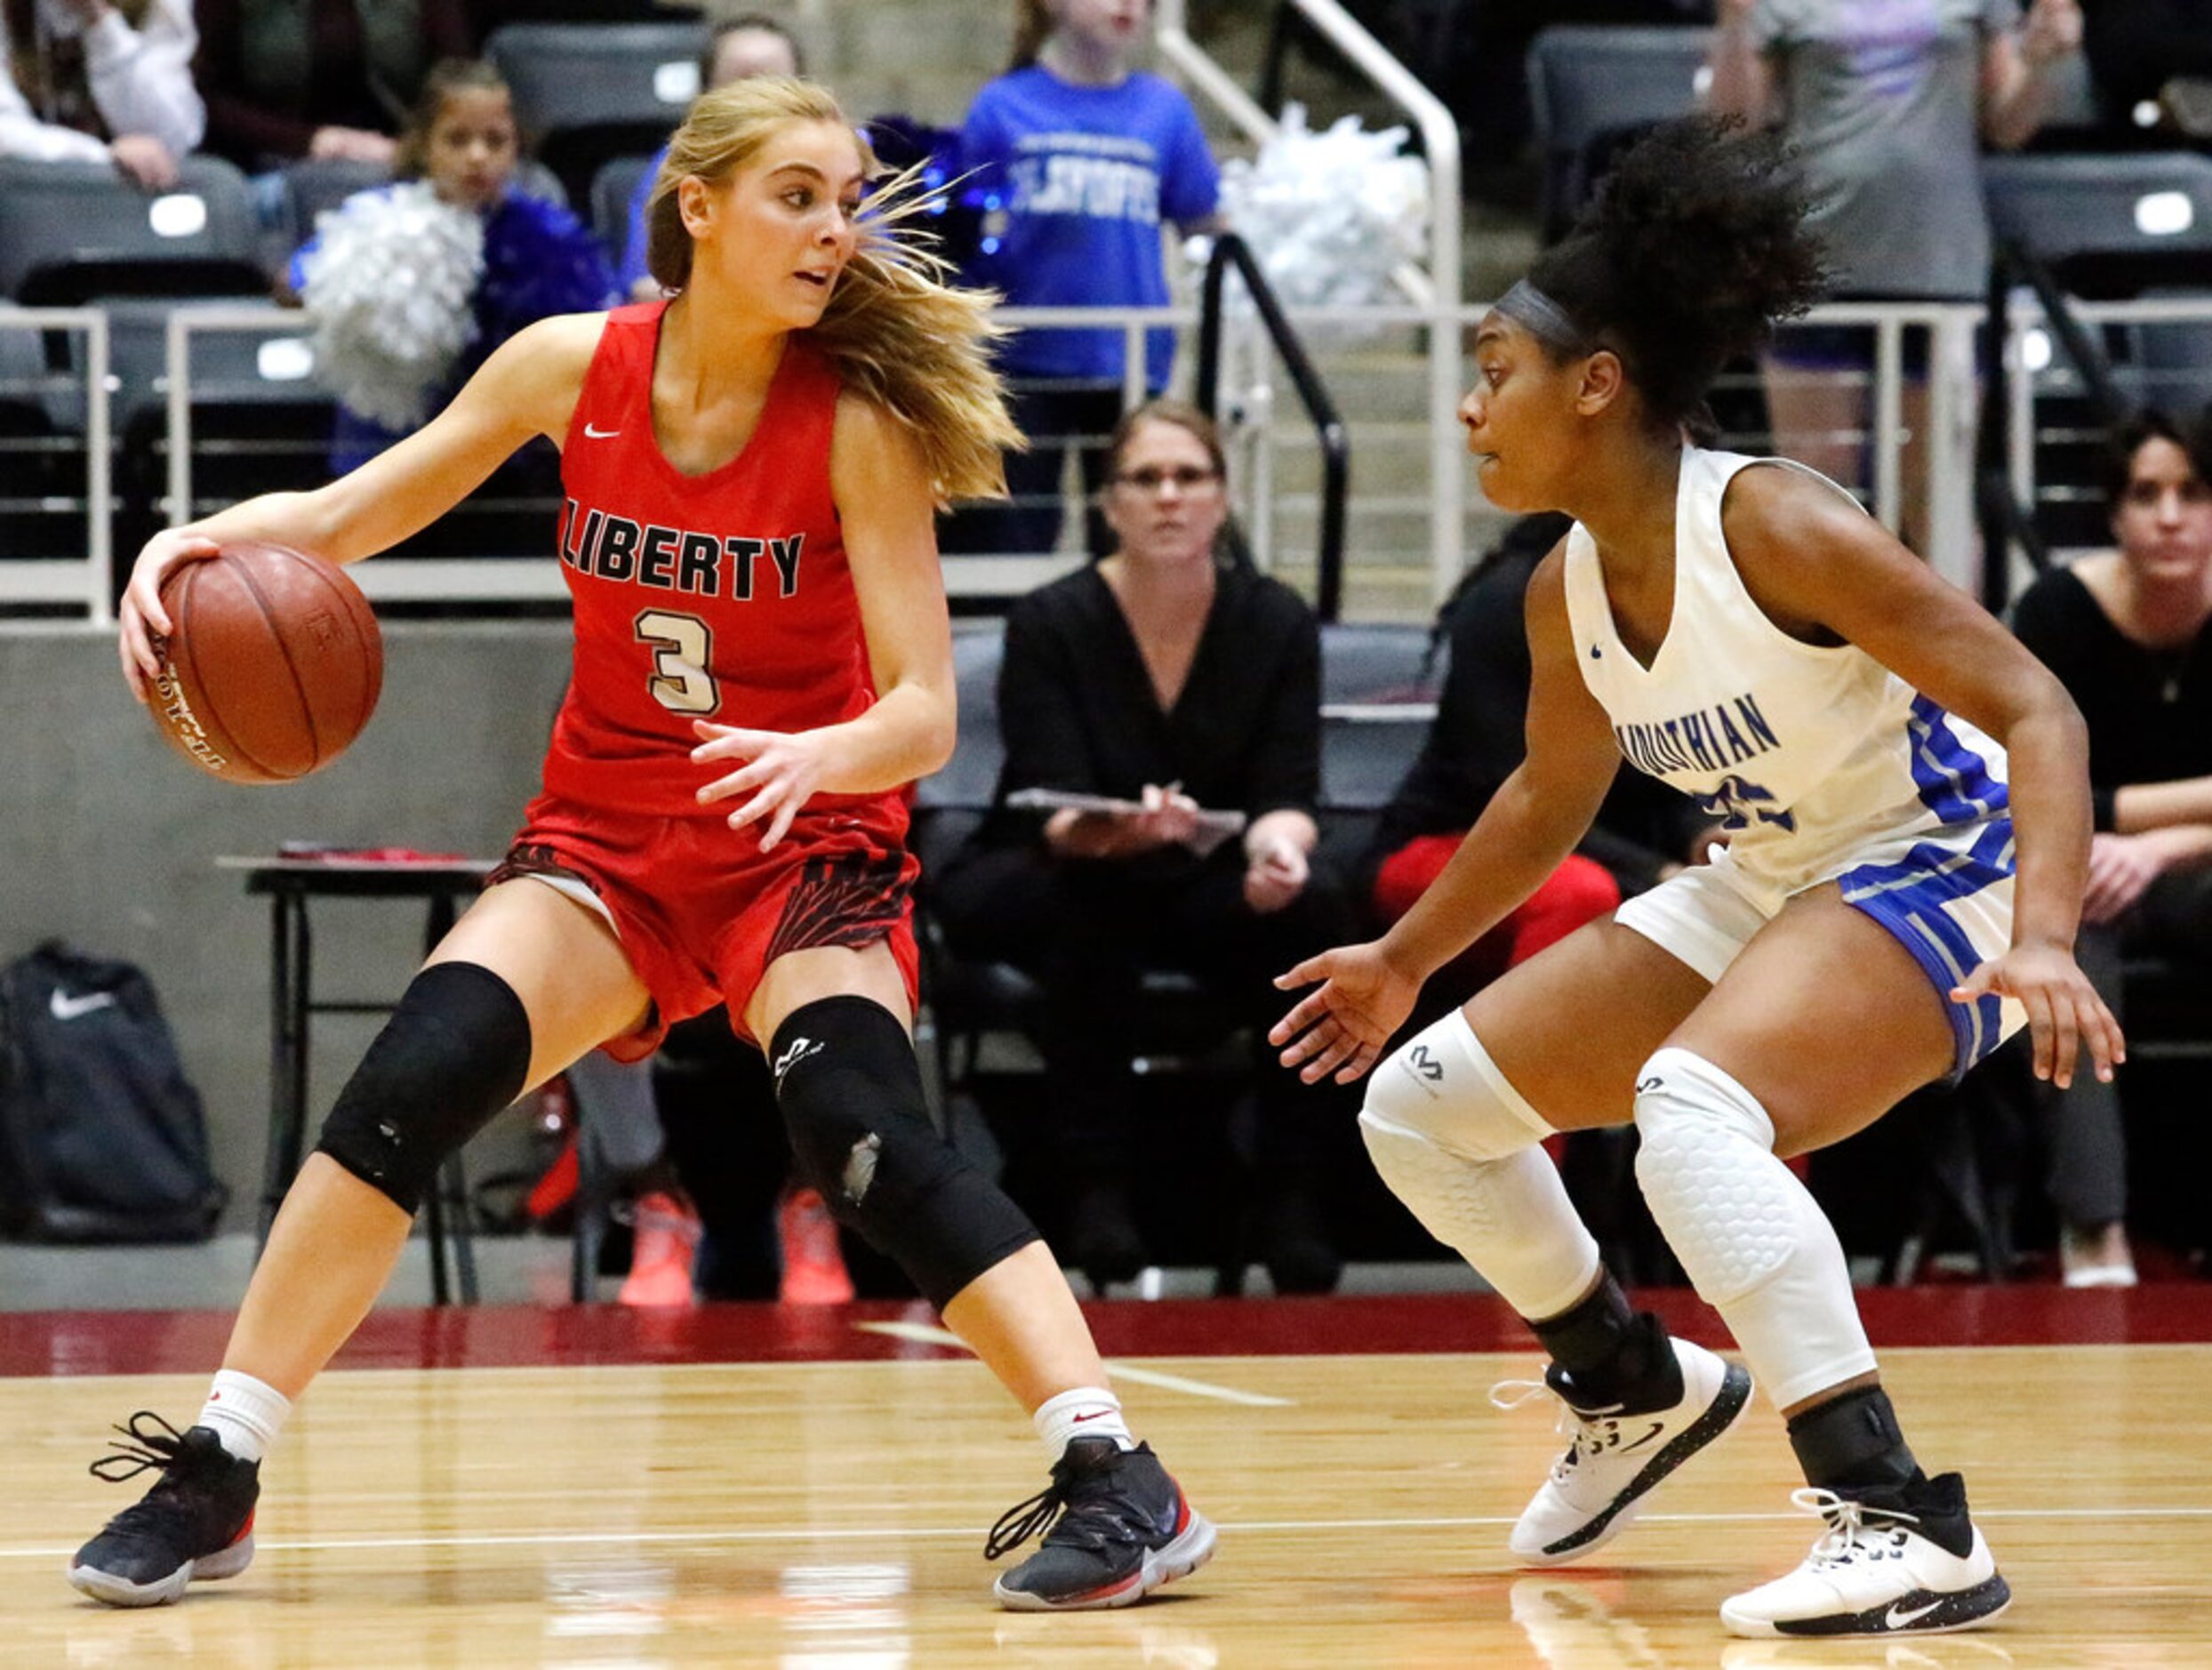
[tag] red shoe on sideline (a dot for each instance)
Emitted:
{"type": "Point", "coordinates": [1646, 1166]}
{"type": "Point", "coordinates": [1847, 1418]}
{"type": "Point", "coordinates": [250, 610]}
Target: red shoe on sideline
{"type": "Point", "coordinates": [666, 1234]}
{"type": "Point", "coordinates": [814, 1269]}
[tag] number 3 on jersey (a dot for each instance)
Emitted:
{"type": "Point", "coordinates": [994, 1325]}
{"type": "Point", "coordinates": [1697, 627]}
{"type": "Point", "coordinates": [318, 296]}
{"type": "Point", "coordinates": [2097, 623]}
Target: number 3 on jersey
{"type": "Point", "coordinates": [683, 649]}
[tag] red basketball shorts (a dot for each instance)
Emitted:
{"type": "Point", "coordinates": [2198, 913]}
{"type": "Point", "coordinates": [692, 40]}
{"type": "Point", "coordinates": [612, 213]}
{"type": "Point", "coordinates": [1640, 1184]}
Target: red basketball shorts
{"type": "Point", "coordinates": [702, 912]}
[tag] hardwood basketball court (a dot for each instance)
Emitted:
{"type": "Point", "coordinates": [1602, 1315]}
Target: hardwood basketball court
{"type": "Point", "coordinates": [750, 1485]}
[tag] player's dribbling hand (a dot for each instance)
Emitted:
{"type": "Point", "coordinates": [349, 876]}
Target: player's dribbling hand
{"type": "Point", "coordinates": [2065, 1012]}
{"type": "Point", "coordinates": [141, 620]}
{"type": "Point", "coordinates": [1342, 1026]}
{"type": "Point", "coordinates": [783, 770]}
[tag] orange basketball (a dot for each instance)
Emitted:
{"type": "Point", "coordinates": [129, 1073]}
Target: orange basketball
{"type": "Point", "coordinates": [273, 664]}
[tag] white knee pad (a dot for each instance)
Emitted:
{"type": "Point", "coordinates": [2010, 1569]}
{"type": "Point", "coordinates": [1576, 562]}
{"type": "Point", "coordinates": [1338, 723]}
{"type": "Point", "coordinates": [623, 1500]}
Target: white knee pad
{"type": "Point", "coordinates": [1442, 1083]}
{"type": "Point", "coordinates": [1458, 1146]}
{"type": "Point", "coordinates": [1754, 1243]}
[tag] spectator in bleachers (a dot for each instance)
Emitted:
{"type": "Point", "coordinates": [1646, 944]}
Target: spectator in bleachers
{"type": "Point", "coordinates": [1181, 687]}
{"type": "Point", "coordinates": [481, 260]}
{"type": "Point", "coordinates": [326, 78]}
{"type": "Point", "coordinates": [1080, 161]}
{"type": "Point", "coordinates": [750, 44]}
{"type": "Point", "coordinates": [2129, 633]}
{"type": "Point", "coordinates": [95, 82]}
{"type": "Point", "coordinates": [1644, 832]}
{"type": "Point", "coordinates": [1888, 106]}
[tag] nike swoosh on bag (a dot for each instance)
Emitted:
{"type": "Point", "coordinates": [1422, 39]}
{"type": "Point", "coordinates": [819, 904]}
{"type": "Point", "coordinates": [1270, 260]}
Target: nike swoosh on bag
{"type": "Point", "coordinates": [599, 434]}
{"type": "Point", "coordinates": [64, 1008]}
{"type": "Point", "coordinates": [1898, 1618]}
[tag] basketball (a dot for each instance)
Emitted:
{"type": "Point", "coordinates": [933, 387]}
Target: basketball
{"type": "Point", "coordinates": [272, 666]}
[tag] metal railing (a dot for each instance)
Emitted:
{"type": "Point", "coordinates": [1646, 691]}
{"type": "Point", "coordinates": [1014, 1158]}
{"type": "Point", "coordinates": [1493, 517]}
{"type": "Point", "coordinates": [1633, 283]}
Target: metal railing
{"type": "Point", "coordinates": [1439, 139]}
{"type": "Point", "coordinates": [1946, 521]}
{"type": "Point", "coordinates": [1230, 250]}
{"type": "Point", "coordinates": [88, 579]}
{"type": "Point", "coordinates": [2054, 347]}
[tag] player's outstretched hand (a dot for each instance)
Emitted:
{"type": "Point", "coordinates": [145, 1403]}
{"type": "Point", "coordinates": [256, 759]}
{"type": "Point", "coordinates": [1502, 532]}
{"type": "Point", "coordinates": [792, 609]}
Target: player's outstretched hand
{"type": "Point", "coordinates": [783, 770]}
{"type": "Point", "coordinates": [2065, 1012]}
{"type": "Point", "coordinates": [141, 618]}
{"type": "Point", "coordinates": [1341, 1026]}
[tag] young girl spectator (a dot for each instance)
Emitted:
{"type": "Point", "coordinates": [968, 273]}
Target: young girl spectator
{"type": "Point", "coordinates": [482, 260]}
{"type": "Point", "coordinates": [92, 82]}
{"type": "Point", "coordinates": [1079, 160]}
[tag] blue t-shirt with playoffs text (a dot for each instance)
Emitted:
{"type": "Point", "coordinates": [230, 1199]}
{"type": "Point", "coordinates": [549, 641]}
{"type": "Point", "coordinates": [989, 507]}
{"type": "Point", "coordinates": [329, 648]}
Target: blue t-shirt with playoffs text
{"type": "Point", "coordinates": [1076, 181]}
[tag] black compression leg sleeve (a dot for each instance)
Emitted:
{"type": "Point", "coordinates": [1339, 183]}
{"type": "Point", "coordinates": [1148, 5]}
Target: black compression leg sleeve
{"type": "Point", "coordinates": [455, 1051]}
{"type": "Point", "coordinates": [851, 1093]}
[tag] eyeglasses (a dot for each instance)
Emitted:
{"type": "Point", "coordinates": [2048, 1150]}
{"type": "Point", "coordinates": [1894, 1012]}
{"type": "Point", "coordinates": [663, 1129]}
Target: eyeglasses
{"type": "Point", "coordinates": [1149, 479]}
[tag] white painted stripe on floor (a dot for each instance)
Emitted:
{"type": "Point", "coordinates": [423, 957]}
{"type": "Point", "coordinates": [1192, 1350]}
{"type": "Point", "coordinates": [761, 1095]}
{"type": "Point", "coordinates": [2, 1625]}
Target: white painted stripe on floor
{"type": "Point", "coordinates": [923, 1334]}
{"type": "Point", "coordinates": [884, 1533]}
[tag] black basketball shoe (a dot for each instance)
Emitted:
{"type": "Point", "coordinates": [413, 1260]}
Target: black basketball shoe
{"type": "Point", "coordinates": [197, 1522]}
{"type": "Point", "coordinates": [1116, 1527]}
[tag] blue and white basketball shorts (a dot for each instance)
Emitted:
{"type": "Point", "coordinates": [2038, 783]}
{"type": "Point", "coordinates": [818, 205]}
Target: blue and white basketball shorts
{"type": "Point", "coordinates": [1945, 896]}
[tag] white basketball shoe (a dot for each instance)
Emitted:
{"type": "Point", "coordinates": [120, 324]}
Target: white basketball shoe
{"type": "Point", "coordinates": [1894, 1563]}
{"type": "Point", "coordinates": [1615, 1456]}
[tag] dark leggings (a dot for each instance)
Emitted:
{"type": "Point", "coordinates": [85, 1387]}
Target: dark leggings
{"type": "Point", "coordinates": [1086, 930]}
{"type": "Point", "coordinates": [2083, 1133]}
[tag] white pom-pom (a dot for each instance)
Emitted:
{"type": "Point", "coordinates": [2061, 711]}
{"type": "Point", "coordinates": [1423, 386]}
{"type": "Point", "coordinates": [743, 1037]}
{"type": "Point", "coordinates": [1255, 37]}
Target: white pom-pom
{"type": "Point", "coordinates": [1331, 216]}
{"type": "Point", "coordinates": [388, 287]}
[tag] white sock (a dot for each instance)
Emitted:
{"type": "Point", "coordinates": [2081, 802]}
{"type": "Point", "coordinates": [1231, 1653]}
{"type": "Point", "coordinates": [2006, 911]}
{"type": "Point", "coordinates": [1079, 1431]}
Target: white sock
{"type": "Point", "coordinates": [245, 1413]}
{"type": "Point", "coordinates": [1089, 1411]}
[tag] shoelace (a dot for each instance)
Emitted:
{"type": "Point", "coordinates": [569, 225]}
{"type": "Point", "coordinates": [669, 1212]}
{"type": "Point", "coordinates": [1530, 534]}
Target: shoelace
{"type": "Point", "coordinates": [1103, 1515]}
{"type": "Point", "coordinates": [1586, 1435]}
{"type": "Point", "coordinates": [1853, 1527]}
{"type": "Point", "coordinates": [145, 1452]}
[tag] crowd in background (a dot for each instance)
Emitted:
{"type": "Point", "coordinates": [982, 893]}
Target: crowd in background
{"type": "Point", "coordinates": [1165, 675]}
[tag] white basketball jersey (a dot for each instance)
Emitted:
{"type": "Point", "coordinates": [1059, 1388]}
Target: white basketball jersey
{"type": "Point", "coordinates": [1805, 754]}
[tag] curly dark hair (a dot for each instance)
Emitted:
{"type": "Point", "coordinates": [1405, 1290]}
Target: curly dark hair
{"type": "Point", "coordinates": [1694, 247]}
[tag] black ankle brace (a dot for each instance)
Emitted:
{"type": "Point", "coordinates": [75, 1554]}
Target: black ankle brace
{"type": "Point", "coordinates": [1852, 1444]}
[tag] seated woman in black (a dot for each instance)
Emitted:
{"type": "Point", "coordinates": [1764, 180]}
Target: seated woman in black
{"type": "Point", "coordinates": [1162, 678]}
{"type": "Point", "coordinates": [2128, 631]}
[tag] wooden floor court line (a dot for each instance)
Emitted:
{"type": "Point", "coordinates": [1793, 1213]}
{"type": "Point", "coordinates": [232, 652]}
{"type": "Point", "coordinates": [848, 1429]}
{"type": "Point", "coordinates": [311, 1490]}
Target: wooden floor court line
{"type": "Point", "coordinates": [790, 1513]}
{"type": "Point", "coordinates": [956, 1533]}
{"type": "Point", "coordinates": [922, 1333]}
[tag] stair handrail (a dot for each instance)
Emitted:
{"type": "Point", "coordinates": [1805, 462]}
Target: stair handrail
{"type": "Point", "coordinates": [1439, 139]}
{"type": "Point", "coordinates": [1230, 250]}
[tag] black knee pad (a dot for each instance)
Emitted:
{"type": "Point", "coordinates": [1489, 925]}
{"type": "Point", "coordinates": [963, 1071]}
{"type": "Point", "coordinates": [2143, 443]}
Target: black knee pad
{"type": "Point", "coordinates": [455, 1051]}
{"type": "Point", "coordinates": [852, 1098]}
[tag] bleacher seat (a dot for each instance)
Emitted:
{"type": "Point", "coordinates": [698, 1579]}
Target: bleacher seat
{"type": "Point", "coordinates": [2120, 225]}
{"type": "Point", "coordinates": [72, 232]}
{"type": "Point", "coordinates": [2108, 225]}
{"type": "Point", "coordinates": [1592, 89]}
{"type": "Point", "coordinates": [590, 91]}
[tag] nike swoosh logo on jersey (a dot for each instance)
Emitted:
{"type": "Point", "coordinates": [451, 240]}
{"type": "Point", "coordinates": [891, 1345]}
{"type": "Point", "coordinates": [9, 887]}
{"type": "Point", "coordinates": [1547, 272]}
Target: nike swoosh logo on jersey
{"type": "Point", "coordinates": [599, 435]}
{"type": "Point", "coordinates": [64, 1008]}
{"type": "Point", "coordinates": [1899, 1618]}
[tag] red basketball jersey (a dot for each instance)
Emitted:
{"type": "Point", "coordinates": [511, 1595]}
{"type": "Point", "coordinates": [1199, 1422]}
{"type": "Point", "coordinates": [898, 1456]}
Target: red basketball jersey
{"type": "Point", "coordinates": [723, 597]}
